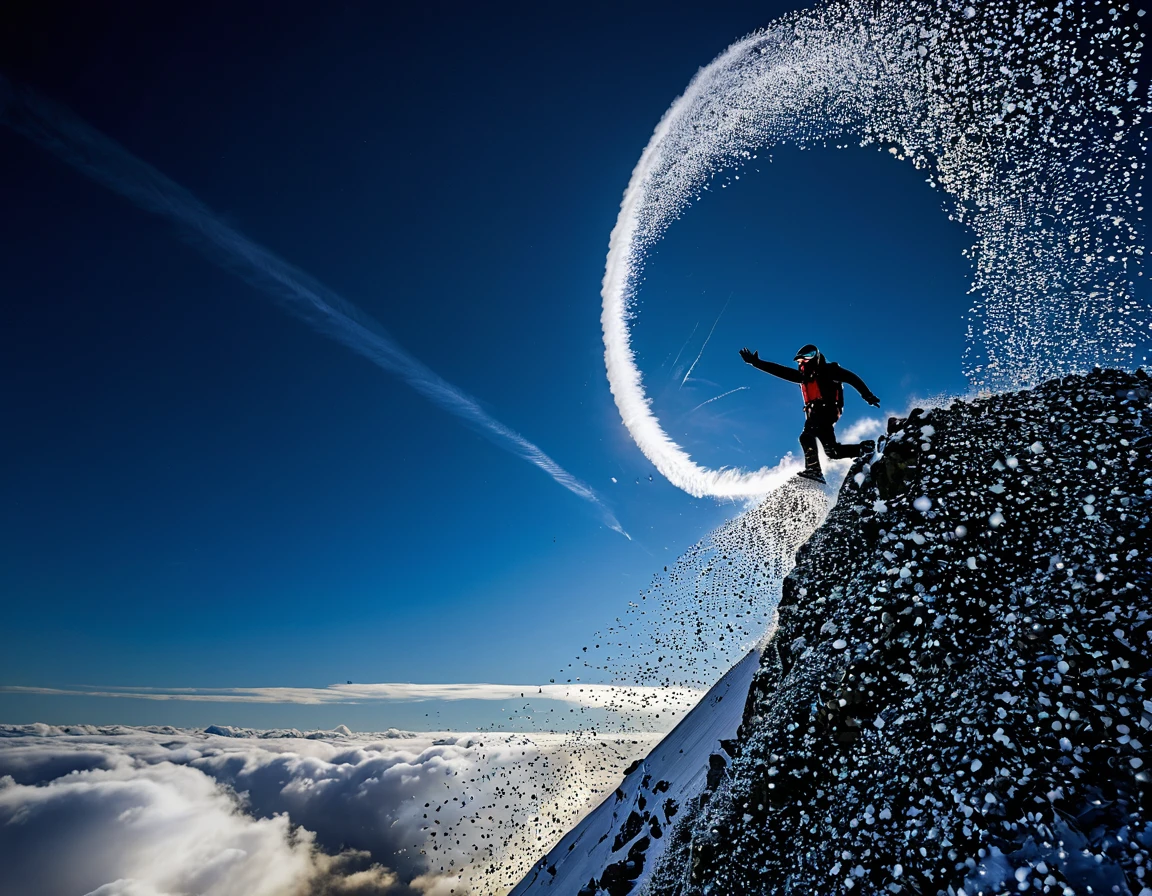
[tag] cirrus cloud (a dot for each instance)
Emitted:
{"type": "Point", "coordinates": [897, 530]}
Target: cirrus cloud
{"type": "Point", "coordinates": [638, 703]}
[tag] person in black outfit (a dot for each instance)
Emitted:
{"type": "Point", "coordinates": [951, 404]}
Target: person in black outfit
{"type": "Point", "coordinates": [822, 385]}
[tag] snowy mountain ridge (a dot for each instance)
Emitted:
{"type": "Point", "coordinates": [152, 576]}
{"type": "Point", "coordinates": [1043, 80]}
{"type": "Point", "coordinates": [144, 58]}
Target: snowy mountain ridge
{"type": "Point", "coordinates": [614, 848]}
{"type": "Point", "coordinates": [956, 699]}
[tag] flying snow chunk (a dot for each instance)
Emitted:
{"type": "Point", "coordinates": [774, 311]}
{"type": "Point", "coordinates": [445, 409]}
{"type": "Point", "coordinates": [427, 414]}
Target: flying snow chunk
{"type": "Point", "coordinates": [923, 503]}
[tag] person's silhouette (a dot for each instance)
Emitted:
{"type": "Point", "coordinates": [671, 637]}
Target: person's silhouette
{"type": "Point", "coordinates": [822, 385]}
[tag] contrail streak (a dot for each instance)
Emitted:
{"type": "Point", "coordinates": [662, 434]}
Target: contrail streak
{"type": "Point", "coordinates": [718, 397]}
{"type": "Point", "coordinates": [685, 345]}
{"type": "Point", "coordinates": [58, 130]}
{"type": "Point", "coordinates": [706, 338]}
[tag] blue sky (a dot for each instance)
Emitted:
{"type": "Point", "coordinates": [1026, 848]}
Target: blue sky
{"type": "Point", "coordinates": [202, 491]}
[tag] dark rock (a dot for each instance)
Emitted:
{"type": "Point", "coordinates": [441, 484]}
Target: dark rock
{"type": "Point", "coordinates": [631, 827]}
{"type": "Point", "coordinates": [618, 877]}
{"type": "Point", "coordinates": [717, 767]}
{"type": "Point", "coordinates": [956, 686]}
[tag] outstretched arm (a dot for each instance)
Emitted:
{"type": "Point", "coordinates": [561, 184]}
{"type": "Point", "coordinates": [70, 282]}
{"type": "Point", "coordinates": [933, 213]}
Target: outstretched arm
{"type": "Point", "coordinates": [785, 373]}
{"type": "Point", "coordinates": [847, 376]}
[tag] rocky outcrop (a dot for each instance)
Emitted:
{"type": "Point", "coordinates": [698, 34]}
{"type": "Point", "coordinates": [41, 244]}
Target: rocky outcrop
{"type": "Point", "coordinates": [957, 697]}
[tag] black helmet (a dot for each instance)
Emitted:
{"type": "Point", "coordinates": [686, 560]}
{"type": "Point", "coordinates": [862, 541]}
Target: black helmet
{"type": "Point", "coordinates": [809, 353]}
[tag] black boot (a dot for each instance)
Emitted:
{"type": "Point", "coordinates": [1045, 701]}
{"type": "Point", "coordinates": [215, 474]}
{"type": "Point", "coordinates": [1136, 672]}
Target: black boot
{"type": "Point", "coordinates": [813, 473]}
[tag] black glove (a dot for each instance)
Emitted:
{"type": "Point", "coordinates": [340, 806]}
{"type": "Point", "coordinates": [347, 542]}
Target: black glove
{"type": "Point", "coordinates": [872, 400]}
{"type": "Point", "coordinates": [749, 357]}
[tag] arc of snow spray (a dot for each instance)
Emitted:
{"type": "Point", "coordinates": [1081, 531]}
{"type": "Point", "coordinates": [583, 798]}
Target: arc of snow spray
{"type": "Point", "coordinates": [57, 129]}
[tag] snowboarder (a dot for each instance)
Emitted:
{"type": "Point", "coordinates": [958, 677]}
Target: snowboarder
{"type": "Point", "coordinates": [822, 385]}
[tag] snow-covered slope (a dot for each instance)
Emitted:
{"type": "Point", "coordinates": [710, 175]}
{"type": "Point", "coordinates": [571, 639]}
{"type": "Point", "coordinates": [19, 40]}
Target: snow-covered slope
{"type": "Point", "coordinates": [957, 697]}
{"type": "Point", "coordinates": [616, 845]}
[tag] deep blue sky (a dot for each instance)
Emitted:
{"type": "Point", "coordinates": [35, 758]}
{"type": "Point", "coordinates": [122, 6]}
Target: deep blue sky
{"type": "Point", "coordinates": [200, 490]}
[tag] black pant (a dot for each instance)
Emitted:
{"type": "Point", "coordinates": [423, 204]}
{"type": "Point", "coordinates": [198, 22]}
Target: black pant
{"type": "Point", "coordinates": [821, 425]}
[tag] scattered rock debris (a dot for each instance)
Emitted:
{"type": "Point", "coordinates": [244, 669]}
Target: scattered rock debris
{"type": "Point", "coordinates": [980, 722]}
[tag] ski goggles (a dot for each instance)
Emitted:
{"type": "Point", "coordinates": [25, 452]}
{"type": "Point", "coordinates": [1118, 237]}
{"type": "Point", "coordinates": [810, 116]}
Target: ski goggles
{"type": "Point", "coordinates": [807, 356]}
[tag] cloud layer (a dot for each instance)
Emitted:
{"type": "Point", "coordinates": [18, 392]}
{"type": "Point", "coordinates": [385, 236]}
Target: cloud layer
{"type": "Point", "coordinates": [118, 827]}
{"type": "Point", "coordinates": [145, 812]}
